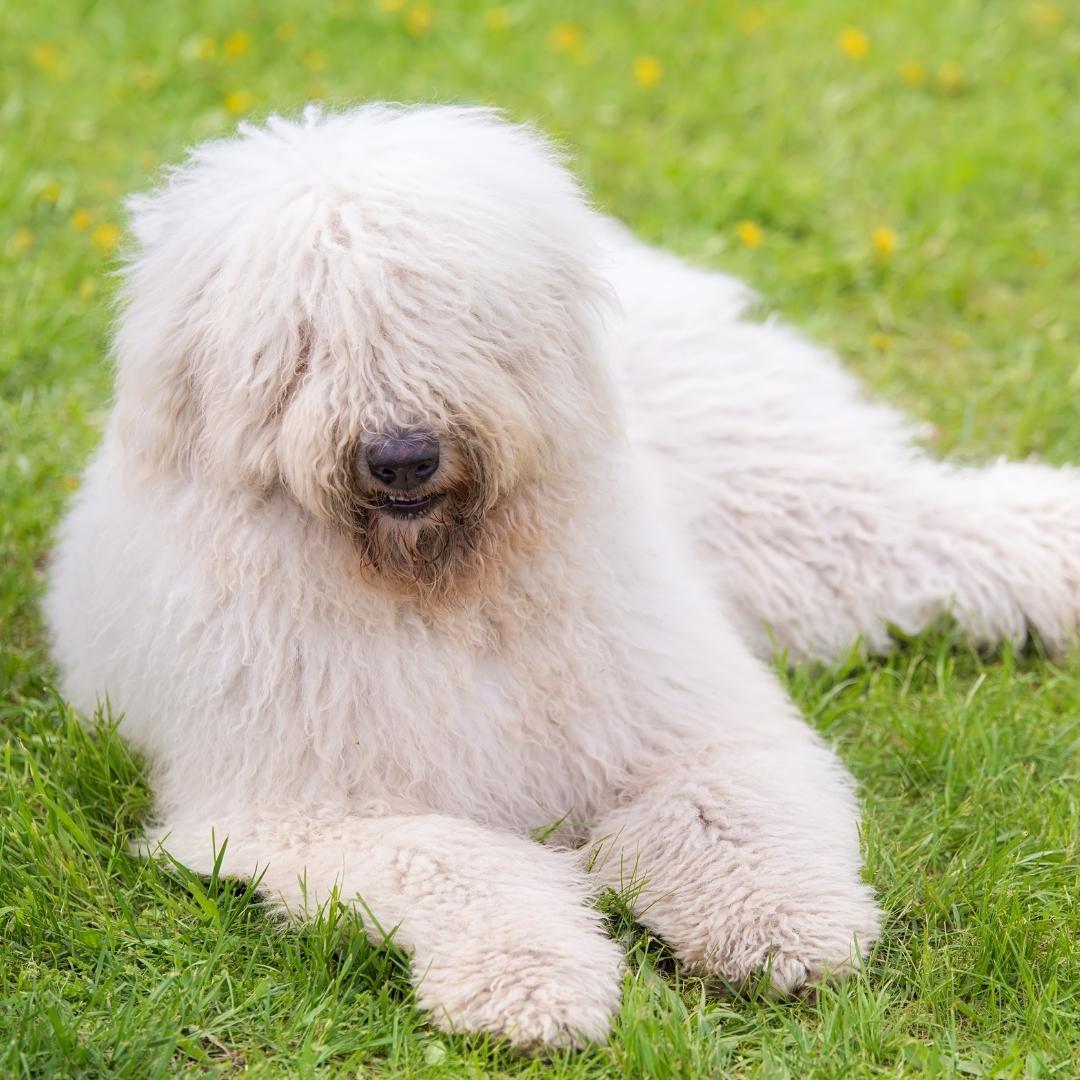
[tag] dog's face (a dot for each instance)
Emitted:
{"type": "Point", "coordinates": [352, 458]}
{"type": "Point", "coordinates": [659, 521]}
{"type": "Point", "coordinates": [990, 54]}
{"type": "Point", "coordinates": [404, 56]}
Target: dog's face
{"type": "Point", "coordinates": [389, 316]}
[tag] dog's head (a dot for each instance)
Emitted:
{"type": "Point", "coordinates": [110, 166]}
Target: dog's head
{"type": "Point", "coordinates": [389, 315]}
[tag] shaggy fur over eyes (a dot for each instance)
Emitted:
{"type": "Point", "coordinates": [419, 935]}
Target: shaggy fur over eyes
{"type": "Point", "coordinates": [377, 680]}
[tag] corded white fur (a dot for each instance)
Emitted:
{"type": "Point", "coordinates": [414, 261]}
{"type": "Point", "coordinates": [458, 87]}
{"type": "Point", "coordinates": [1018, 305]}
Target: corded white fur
{"type": "Point", "coordinates": [387, 707]}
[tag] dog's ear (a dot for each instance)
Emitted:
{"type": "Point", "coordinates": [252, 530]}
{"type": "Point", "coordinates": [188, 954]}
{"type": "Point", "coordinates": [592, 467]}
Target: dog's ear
{"type": "Point", "coordinates": [157, 398]}
{"type": "Point", "coordinates": [186, 403]}
{"type": "Point", "coordinates": [158, 408]}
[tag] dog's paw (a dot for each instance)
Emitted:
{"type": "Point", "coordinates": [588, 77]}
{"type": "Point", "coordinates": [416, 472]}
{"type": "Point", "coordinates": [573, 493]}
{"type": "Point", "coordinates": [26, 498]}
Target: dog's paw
{"type": "Point", "coordinates": [534, 998]}
{"type": "Point", "coordinates": [796, 942]}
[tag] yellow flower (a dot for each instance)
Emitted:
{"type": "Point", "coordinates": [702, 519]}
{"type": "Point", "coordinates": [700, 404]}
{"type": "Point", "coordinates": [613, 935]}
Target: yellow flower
{"type": "Point", "coordinates": [51, 192]}
{"type": "Point", "coordinates": [647, 70]}
{"type": "Point", "coordinates": [81, 219]}
{"type": "Point", "coordinates": [237, 102]}
{"type": "Point", "coordinates": [105, 237]}
{"type": "Point", "coordinates": [950, 77]}
{"type": "Point", "coordinates": [20, 241]}
{"type": "Point", "coordinates": [854, 43]}
{"type": "Point", "coordinates": [418, 20]}
{"type": "Point", "coordinates": [913, 72]}
{"type": "Point", "coordinates": [46, 57]}
{"type": "Point", "coordinates": [1048, 16]}
{"type": "Point", "coordinates": [497, 18]}
{"type": "Point", "coordinates": [565, 37]}
{"type": "Point", "coordinates": [70, 481]}
{"type": "Point", "coordinates": [236, 44]}
{"type": "Point", "coordinates": [752, 20]}
{"type": "Point", "coordinates": [315, 60]}
{"type": "Point", "coordinates": [881, 342]}
{"type": "Point", "coordinates": [750, 233]}
{"type": "Point", "coordinates": [286, 31]}
{"type": "Point", "coordinates": [146, 78]}
{"type": "Point", "coordinates": [884, 241]}
{"type": "Point", "coordinates": [205, 48]}
{"type": "Point", "coordinates": [1036, 258]}
{"type": "Point", "coordinates": [391, 5]}
{"type": "Point", "coordinates": [87, 288]}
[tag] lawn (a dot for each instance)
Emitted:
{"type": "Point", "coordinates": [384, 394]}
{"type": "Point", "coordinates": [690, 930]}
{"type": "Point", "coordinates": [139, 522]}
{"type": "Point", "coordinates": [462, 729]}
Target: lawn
{"type": "Point", "coordinates": [901, 180]}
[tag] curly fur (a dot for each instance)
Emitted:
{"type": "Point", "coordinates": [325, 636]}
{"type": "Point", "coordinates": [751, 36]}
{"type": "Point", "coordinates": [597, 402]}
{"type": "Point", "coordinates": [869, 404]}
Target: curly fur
{"type": "Point", "coordinates": [638, 487]}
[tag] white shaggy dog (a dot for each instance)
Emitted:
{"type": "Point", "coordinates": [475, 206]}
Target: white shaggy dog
{"type": "Point", "coordinates": [435, 509]}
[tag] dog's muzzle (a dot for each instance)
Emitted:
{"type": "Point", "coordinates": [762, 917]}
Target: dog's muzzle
{"type": "Point", "coordinates": [402, 464]}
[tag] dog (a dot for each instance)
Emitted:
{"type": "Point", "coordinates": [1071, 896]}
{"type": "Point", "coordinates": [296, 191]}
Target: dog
{"type": "Point", "coordinates": [435, 509]}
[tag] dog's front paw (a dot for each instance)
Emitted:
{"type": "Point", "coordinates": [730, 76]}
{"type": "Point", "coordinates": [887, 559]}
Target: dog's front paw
{"type": "Point", "coordinates": [535, 998]}
{"type": "Point", "coordinates": [796, 940]}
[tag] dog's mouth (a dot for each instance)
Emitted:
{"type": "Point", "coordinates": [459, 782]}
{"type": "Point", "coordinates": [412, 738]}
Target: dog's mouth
{"type": "Point", "coordinates": [408, 506]}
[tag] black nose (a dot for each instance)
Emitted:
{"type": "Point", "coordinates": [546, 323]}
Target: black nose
{"type": "Point", "coordinates": [404, 461]}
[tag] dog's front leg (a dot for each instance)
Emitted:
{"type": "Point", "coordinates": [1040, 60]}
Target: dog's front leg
{"type": "Point", "coordinates": [499, 930]}
{"type": "Point", "coordinates": [745, 860]}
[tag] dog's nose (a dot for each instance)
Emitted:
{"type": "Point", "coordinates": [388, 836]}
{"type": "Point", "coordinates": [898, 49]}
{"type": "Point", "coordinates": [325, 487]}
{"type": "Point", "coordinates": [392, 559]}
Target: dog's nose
{"type": "Point", "coordinates": [404, 461]}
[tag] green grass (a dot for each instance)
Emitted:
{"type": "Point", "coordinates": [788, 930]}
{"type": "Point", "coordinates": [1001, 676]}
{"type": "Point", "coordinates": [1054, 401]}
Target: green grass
{"type": "Point", "coordinates": [969, 766]}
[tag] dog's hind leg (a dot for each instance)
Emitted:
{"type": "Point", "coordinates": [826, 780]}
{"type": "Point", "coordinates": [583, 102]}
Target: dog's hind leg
{"type": "Point", "coordinates": [813, 556]}
{"type": "Point", "coordinates": [500, 933]}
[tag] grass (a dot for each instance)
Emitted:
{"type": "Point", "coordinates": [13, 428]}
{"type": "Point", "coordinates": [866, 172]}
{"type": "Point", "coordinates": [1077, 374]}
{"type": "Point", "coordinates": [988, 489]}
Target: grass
{"type": "Point", "coordinates": [951, 128]}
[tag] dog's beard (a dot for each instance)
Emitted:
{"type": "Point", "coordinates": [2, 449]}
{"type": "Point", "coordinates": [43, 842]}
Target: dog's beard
{"type": "Point", "coordinates": [430, 552]}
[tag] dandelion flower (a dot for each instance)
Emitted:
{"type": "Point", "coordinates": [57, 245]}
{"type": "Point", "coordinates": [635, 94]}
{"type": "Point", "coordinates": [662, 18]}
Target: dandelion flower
{"type": "Point", "coordinates": [913, 72]}
{"type": "Point", "coordinates": [854, 43]}
{"type": "Point", "coordinates": [881, 342]}
{"type": "Point", "coordinates": [884, 241]}
{"type": "Point", "coordinates": [205, 48]}
{"type": "Point", "coordinates": [418, 20]}
{"type": "Point", "coordinates": [750, 234]}
{"type": "Point", "coordinates": [497, 18]}
{"type": "Point", "coordinates": [238, 101]}
{"type": "Point", "coordinates": [1048, 16]}
{"type": "Point", "coordinates": [87, 288]}
{"type": "Point", "coordinates": [236, 44]}
{"type": "Point", "coordinates": [105, 237]}
{"type": "Point", "coordinates": [51, 192]}
{"type": "Point", "coordinates": [647, 70]}
{"type": "Point", "coordinates": [46, 57]}
{"type": "Point", "coordinates": [20, 241]}
{"type": "Point", "coordinates": [950, 77]}
{"type": "Point", "coordinates": [391, 5]}
{"type": "Point", "coordinates": [566, 37]}
{"type": "Point", "coordinates": [752, 20]}
{"type": "Point", "coordinates": [316, 60]}
{"type": "Point", "coordinates": [81, 219]}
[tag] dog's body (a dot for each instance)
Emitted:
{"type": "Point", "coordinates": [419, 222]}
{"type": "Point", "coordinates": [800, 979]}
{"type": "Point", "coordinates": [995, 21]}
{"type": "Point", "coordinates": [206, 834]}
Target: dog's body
{"type": "Point", "coordinates": [385, 696]}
